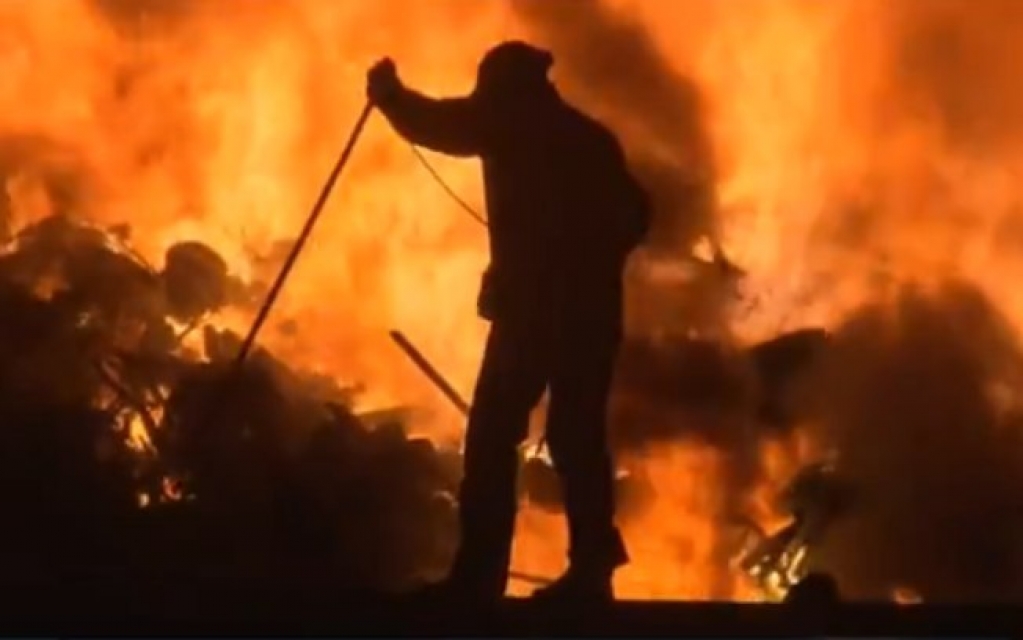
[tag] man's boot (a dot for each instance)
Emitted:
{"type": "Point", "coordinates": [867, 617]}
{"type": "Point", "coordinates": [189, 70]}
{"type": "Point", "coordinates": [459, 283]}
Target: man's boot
{"type": "Point", "coordinates": [478, 576]}
{"type": "Point", "coordinates": [578, 586]}
{"type": "Point", "coordinates": [590, 575]}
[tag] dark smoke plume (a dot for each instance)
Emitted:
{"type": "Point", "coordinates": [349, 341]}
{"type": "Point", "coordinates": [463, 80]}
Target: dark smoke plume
{"type": "Point", "coordinates": [910, 391]}
{"type": "Point", "coordinates": [133, 15]}
{"type": "Point", "coordinates": [616, 70]}
{"type": "Point", "coordinates": [957, 60]}
{"type": "Point", "coordinates": [911, 403]}
{"type": "Point", "coordinates": [678, 389]}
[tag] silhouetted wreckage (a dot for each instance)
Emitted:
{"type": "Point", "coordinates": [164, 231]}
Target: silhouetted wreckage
{"type": "Point", "coordinates": [108, 368]}
{"type": "Point", "coordinates": [780, 561]}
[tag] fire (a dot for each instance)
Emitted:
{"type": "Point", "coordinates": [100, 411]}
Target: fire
{"type": "Point", "coordinates": [906, 596]}
{"type": "Point", "coordinates": [138, 436]}
{"type": "Point", "coordinates": [219, 122]}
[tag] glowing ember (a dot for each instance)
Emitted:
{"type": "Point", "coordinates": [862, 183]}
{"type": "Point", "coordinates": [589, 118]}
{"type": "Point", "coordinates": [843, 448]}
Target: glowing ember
{"type": "Point", "coordinates": [138, 436]}
{"type": "Point", "coordinates": [905, 595]}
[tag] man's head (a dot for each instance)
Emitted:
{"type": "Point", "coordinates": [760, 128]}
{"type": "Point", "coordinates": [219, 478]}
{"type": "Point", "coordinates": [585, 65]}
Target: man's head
{"type": "Point", "coordinates": [512, 69]}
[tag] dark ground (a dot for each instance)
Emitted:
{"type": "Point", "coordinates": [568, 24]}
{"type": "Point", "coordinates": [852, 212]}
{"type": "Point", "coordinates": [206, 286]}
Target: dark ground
{"type": "Point", "coordinates": [209, 605]}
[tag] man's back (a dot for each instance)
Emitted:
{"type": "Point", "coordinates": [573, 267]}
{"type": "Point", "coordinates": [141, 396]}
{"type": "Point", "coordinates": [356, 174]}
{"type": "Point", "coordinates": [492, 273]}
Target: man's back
{"type": "Point", "coordinates": [563, 210]}
{"type": "Point", "coordinates": [560, 200]}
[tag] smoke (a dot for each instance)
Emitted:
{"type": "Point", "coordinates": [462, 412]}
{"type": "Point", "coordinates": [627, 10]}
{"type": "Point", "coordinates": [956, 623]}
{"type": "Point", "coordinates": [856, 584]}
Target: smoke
{"type": "Point", "coordinates": [892, 217]}
{"type": "Point", "coordinates": [914, 402]}
{"type": "Point", "coordinates": [40, 176]}
{"type": "Point", "coordinates": [954, 60]}
{"type": "Point", "coordinates": [141, 14]}
{"type": "Point", "coordinates": [829, 142]}
{"type": "Point", "coordinates": [919, 396]}
{"type": "Point", "coordinates": [219, 123]}
{"type": "Point", "coordinates": [111, 457]}
{"type": "Point", "coordinates": [612, 65]}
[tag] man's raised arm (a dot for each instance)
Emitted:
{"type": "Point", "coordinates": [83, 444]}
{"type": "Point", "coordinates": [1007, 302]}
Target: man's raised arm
{"type": "Point", "coordinates": [449, 125]}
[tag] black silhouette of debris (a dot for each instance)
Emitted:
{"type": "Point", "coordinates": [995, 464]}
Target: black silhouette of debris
{"type": "Point", "coordinates": [108, 458]}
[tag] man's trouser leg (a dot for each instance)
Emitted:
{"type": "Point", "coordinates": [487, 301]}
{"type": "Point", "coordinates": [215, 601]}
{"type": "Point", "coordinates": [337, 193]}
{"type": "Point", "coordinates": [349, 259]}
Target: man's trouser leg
{"type": "Point", "coordinates": [577, 439]}
{"type": "Point", "coordinates": [510, 384]}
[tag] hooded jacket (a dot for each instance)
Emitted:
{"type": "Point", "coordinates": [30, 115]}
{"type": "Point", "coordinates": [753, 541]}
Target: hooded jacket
{"type": "Point", "coordinates": [564, 211]}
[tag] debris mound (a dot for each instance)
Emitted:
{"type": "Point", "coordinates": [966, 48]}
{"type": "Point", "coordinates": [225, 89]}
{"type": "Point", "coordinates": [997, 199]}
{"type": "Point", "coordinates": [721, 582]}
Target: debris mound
{"type": "Point", "coordinates": [110, 458]}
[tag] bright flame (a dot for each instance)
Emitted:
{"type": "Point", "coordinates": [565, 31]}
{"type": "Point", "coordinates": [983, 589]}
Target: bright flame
{"type": "Point", "coordinates": [137, 437]}
{"type": "Point", "coordinates": [220, 122]}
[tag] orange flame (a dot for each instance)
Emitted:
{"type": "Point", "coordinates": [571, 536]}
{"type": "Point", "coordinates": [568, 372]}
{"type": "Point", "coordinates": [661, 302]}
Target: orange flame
{"type": "Point", "coordinates": [219, 121]}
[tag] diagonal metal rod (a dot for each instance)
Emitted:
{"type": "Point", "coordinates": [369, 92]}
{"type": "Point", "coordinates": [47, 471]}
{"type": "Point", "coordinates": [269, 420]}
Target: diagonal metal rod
{"type": "Point", "coordinates": [530, 578]}
{"type": "Point", "coordinates": [275, 290]}
{"type": "Point", "coordinates": [440, 382]}
{"type": "Point", "coordinates": [430, 371]}
{"type": "Point", "coordinates": [449, 392]}
{"type": "Point", "coordinates": [227, 383]}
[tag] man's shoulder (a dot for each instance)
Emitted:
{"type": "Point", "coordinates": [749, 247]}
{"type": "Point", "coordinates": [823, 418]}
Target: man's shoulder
{"type": "Point", "coordinates": [595, 133]}
{"type": "Point", "coordinates": [586, 122]}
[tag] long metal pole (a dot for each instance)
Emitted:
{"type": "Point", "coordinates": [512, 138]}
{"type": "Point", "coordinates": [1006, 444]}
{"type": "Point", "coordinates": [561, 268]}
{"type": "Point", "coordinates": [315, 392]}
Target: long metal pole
{"type": "Point", "coordinates": [430, 371]}
{"type": "Point", "coordinates": [275, 290]}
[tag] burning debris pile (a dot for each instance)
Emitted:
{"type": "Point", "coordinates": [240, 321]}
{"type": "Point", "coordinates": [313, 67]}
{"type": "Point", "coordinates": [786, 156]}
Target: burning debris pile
{"type": "Point", "coordinates": [915, 397]}
{"type": "Point", "coordinates": [815, 498]}
{"type": "Point", "coordinates": [111, 370]}
{"type": "Point", "coordinates": [126, 444]}
{"type": "Point", "coordinates": [110, 456]}
{"type": "Point", "coordinates": [915, 385]}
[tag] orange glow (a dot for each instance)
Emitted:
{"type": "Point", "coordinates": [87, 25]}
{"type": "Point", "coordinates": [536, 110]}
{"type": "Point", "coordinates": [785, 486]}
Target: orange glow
{"type": "Point", "coordinates": [907, 596]}
{"type": "Point", "coordinates": [219, 122]}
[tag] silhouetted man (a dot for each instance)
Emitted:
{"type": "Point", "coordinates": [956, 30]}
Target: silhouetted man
{"type": "Point", "coordinates": [564, 214]}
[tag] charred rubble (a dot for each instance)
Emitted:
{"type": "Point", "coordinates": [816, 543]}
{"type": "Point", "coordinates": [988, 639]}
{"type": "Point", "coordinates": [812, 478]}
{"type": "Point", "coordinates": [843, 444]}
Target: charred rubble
{"type": "Point", "coordinates": [109, 376]}
{"type": "Point", "coordinates": [126, 445]}
{"type": "Point", "coordinates": [110, 458]}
